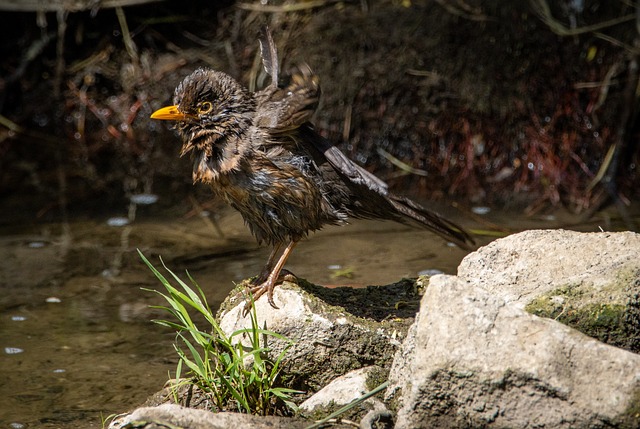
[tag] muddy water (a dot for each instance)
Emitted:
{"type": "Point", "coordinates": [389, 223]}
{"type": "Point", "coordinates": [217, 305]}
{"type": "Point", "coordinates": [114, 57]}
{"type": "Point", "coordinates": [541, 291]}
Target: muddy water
{"type": "Point", "coordinates": [76, 341]}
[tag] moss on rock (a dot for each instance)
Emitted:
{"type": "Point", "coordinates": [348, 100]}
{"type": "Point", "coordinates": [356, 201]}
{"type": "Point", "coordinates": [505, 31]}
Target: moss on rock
{"type": "Point", "coordinates": [609, 313]}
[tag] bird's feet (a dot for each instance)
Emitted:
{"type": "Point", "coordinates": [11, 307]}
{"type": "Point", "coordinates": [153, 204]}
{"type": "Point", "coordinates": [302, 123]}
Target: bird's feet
{"type": "Point", "coordinates": [259, 286]}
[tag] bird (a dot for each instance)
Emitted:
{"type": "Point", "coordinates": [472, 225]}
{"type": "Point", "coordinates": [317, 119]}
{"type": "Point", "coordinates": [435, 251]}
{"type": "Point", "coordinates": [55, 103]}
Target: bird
{"type": "Point", "coordinates": [260, 152]}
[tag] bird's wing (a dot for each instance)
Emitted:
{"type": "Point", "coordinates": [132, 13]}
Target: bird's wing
{"type": "Point", "coordinates": [373, 197]}
{"type": "Point", "coordinates": [284, 112]}
{"type": "Point", "coordinates": [284, 106]}
{"type": "Point", "coordinates": [287, 109]}
{"type": "Point", "coordinates": [269, 55]}
{"type": "Point", "coordinates": [321, 149]}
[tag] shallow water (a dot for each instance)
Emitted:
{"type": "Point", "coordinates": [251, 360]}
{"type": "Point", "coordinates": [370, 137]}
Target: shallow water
{"type": "Point", "coordinates": [76, 341]}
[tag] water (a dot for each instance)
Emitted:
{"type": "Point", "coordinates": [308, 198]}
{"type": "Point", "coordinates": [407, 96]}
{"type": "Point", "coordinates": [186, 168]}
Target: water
{"type": "Point", "coordinates": [76, 341]}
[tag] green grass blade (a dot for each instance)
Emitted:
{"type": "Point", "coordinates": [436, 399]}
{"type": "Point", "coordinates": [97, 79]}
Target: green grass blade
{"type": "Point", "coordinates": [217, 361]}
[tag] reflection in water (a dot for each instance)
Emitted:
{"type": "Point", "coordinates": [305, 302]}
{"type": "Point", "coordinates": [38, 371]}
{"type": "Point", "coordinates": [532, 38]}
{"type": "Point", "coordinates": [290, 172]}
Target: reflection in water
{"type": "Point", "coordinates": [76, 339]}
{"type": "Point", "coordinates": [78, 358]}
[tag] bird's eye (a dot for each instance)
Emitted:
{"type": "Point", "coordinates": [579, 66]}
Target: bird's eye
{"type": "Point", "coordinates": [205, 107]}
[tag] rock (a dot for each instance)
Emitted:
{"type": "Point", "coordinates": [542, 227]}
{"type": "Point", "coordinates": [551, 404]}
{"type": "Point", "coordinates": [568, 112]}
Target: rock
{"type": "Point", "coordinates": [345, 389]}
{"type": "Point", "coordinates": [372, 413]}
{"type": "Point", "coordinates": [589, 281]}
{"type": "Point", "coordinates": [473, 359]}
{"type": "Point", "coordinates": [175, 416]}
{"type": "Point", "coordinates": [328, 340]}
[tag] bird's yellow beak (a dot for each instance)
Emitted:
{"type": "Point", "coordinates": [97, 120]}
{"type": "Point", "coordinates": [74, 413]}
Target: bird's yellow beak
{"type": "Point", "coordinates": [169, 113]}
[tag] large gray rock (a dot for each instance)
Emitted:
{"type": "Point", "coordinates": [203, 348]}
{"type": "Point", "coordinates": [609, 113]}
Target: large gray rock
{"type": "Point", "coordinates": [472, 359]}
{"type": "Point", "coordinates": [589, 281]}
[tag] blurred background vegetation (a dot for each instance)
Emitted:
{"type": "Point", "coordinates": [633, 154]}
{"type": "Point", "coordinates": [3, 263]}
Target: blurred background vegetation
{"type": "Point", "coordinates": [525, 105]}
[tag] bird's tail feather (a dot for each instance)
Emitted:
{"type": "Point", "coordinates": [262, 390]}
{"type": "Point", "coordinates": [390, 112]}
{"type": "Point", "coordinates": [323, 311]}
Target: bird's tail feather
{"type": "Point", "coordinates": [432, 221]}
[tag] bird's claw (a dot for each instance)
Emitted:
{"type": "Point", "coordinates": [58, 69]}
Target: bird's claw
{"type": "Point", "coordinates": [268, 286]}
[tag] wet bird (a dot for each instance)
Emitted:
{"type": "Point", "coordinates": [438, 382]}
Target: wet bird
{"type": "Point", "coordinates": [260, 153]}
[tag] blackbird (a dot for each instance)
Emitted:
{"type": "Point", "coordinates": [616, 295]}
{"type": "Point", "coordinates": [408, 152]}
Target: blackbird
{"type": "Point", "coordinates": [260, 153]}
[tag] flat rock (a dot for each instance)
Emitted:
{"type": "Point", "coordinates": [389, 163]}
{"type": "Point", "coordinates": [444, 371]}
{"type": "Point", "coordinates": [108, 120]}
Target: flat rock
{"type": "Point", "coordinates": [521, 266]}
{"type": "Point", "coordinates": [175, 416]}
{"type": "Point", "coordinates": [589, 281]}
{"type": "Point", "coordinates": [328, 339]}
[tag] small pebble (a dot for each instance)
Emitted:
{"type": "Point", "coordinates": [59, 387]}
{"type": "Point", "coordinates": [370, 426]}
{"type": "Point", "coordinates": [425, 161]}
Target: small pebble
{"type": "Point", "coordinates": [107, 273]}
{"type": "Point", "coordinates": [53, 299]}
{"type": "Point", "coordinates": [117, 221]}
{"type": "Point", "coordinates": [13, 350]}
{"type": "Point", "coordinates": [144, 199]}
{"type": "Point", "coordinates": [480, 210]}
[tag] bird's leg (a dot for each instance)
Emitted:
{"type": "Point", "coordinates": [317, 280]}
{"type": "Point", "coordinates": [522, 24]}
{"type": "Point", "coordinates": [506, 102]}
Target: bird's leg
{"type": "Point", "coordinates": [266, 270]}
{"type": "Point", "coordinates": [268, 285]}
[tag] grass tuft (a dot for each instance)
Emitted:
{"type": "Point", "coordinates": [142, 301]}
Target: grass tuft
{"type": "Point", "coordinates": [234, 376]}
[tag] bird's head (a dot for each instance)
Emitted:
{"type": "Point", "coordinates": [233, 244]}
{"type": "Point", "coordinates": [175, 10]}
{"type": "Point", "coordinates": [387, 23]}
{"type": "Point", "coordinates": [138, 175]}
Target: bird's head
{"type": "Point", "coordinates": [211, 110]}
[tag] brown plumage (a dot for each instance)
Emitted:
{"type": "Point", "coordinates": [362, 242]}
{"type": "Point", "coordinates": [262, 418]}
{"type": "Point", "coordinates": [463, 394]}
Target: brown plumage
{"type": "Point", "coordinates": [260, 153]}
